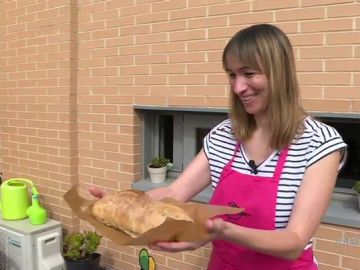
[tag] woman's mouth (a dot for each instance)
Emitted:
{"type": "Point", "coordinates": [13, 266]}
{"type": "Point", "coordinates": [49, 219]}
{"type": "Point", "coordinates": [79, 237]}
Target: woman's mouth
{"type": "Point", "coordinates": [247, 99]}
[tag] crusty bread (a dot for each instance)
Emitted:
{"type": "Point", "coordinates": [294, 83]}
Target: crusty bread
{"type": "Point", "coordinates": [135, 213]}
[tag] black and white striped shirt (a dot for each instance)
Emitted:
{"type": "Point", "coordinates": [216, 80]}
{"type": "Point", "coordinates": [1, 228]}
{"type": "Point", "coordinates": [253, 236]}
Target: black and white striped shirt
{"type": "Point", "coordinates": [317, 141]}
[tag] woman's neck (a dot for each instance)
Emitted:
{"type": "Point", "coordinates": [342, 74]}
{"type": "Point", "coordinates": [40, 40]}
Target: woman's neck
{"type": "Point", "coordinates": [262, 122]}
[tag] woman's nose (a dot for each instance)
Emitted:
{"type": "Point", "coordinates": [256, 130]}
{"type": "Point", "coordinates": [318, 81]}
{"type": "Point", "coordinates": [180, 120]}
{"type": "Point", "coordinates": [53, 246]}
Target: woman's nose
{"type": "Point", "coordinates": [240, 85]}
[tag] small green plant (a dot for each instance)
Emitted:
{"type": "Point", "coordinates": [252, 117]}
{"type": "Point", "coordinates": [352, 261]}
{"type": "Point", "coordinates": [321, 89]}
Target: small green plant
{"type": "Point", "coordinates": [159, 161]}
{"type": "Point", "coordinates": [356, 186]}
{"type": "Point", "coordinates": [80, 246]}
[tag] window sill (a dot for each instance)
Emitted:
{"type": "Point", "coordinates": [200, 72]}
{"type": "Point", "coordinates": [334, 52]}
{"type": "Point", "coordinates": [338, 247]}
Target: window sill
{"type": "Point", "coordinates": [343, 209]}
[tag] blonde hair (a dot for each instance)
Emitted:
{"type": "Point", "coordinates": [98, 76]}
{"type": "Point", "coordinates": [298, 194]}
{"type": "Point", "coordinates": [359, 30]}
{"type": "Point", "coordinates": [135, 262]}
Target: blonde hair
{"type": "Point", "coordinates": [265, 47]}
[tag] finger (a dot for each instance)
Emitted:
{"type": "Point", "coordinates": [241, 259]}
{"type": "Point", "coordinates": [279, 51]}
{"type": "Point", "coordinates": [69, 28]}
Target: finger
{"type": "Point", "coordinates": [97, 192]}
{"type": "Point", "coordinates": [209, 224]}
{"type": "Point", "coordinates": [212, 225]}
{"type": "Point", "coordinates": [215, 227]}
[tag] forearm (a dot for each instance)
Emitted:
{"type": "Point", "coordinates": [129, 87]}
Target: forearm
{"type": "Point", "coordinates": [282, 243]}
{"type": "Point", "coordinates": [160, 193]}
{"type": "Point", "coordinates": [176, 191]}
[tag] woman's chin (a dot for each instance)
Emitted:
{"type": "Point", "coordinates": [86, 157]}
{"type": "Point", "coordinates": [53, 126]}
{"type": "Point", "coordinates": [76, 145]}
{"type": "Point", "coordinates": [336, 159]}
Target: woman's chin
{"type": "Point", "coordinates": [251, 110]}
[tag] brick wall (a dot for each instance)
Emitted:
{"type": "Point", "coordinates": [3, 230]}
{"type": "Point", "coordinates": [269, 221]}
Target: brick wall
{"type": "Point", "coordinates": [70, 72]}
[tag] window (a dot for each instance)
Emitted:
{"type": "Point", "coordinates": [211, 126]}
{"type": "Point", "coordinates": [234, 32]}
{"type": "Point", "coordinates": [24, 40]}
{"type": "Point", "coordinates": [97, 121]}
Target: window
{"type": "Point", "coordinates": [178, 134]}
{"type": "Point", "coordinates": [349, 128]}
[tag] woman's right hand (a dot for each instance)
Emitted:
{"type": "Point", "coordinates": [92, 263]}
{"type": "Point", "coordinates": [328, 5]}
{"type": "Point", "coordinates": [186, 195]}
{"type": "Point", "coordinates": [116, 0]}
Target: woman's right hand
{"type": "Point", "coordinates": [96, 192]}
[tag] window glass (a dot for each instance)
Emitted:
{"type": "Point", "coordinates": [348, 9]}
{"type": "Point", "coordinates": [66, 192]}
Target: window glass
{"type": "Point", "coordinates": [196, 126]}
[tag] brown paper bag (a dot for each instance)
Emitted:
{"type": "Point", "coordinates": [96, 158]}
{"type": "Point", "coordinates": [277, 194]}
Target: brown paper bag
{"type": "Point", "coordinates": [170, 230]}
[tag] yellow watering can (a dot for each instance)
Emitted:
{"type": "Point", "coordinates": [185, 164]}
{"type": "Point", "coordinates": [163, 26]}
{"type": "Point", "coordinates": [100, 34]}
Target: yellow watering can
{"type": "Point", "coordinates": [15, 202]}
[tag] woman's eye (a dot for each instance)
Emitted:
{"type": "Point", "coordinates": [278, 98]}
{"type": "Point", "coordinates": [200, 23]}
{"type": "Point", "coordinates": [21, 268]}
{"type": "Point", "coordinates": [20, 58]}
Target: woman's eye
{"type": "Point", "coordinates": [249, 74]}
{"type": "Point", "coordinates": [231, 75]}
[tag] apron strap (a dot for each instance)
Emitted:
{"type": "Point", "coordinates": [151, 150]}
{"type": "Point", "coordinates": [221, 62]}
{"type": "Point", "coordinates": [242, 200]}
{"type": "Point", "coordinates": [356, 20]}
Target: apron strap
{"type": "Point", "coordinates": [237, 148]}
{"type": "Point", "coordinates": [280, 164]}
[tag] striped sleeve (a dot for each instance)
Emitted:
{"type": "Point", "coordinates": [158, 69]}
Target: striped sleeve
{"type": "Point", "coordinates": [325, 140]}
{"type": "Point", "coordinates": [215, 137]}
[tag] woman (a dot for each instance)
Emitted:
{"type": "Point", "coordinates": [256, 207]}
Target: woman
{"type": "Point", "coordinates": [269, 158]}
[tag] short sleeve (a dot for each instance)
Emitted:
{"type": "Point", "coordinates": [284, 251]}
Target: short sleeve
{"type": "Point", "coordinates": [208, 139]}
{"type": "Point", "coordinates": [325, 140]}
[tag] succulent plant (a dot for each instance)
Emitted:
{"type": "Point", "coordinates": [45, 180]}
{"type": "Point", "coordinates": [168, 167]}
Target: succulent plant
{"type": "Point", "coordinates": [80, 246]}
{"type": "Point", "coordinates": [159, 161]}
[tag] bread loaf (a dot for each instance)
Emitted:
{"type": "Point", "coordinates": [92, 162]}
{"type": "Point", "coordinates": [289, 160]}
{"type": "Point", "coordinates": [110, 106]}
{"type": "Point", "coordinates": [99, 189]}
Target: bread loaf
{"type": "Point", "coordinates": [135, 213]}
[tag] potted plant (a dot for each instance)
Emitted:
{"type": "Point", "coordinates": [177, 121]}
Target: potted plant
{"type": "Point", "coordinates": [80, 250]}
{"type": "Point", "coordinates": [157, 169]}
{"type": "Point", "coordinates": [356, 187]}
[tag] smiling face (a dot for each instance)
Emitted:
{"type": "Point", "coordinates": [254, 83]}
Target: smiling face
{"type": "Point", "coordinates": [264, 89]}
{"type": "Point", "coordinates": [250, 85]}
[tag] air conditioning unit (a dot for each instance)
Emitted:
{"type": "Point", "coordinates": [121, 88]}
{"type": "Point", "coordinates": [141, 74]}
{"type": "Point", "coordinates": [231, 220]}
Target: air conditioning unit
{"type": "Point", "coordinates": [30, 247]}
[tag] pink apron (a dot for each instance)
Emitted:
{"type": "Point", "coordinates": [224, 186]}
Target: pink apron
{"type": "Point", "coordinates": [257, 195]}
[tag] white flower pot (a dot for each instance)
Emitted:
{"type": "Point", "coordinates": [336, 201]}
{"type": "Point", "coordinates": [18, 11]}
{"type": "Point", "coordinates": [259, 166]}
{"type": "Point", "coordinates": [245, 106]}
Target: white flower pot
{"type": "Point", "coordinates": [157, 175]}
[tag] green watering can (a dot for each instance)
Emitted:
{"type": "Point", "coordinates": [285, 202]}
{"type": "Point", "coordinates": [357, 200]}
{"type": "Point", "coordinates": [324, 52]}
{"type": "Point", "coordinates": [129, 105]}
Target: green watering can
{"type": "Point", "coordinates": [15, 203]}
